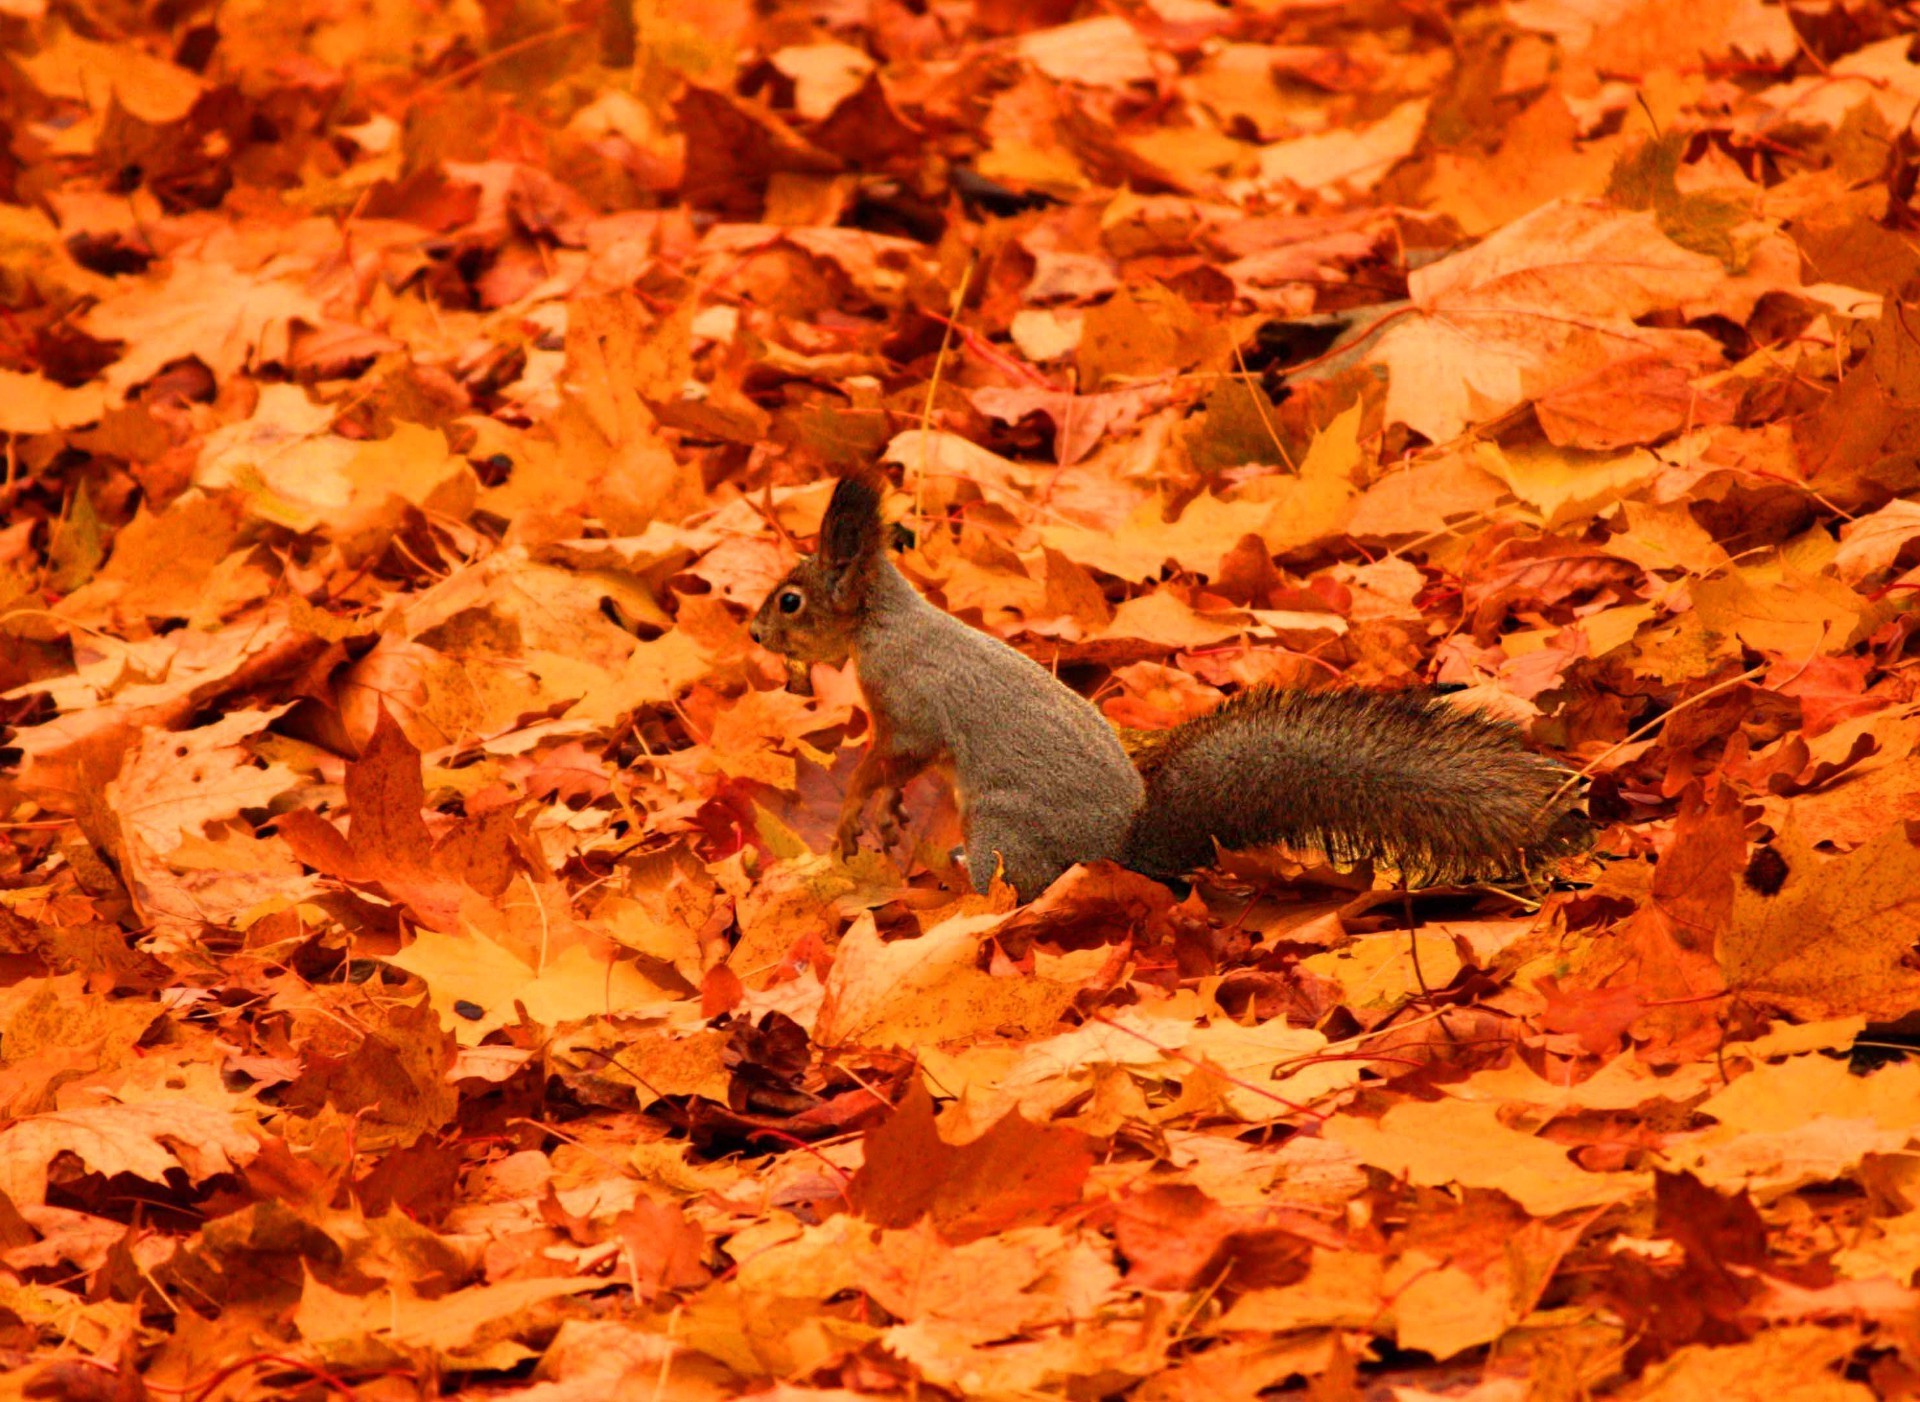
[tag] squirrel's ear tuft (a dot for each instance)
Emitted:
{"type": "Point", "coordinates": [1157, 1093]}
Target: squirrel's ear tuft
{"type": "Point", "coordinates": [850, 531]}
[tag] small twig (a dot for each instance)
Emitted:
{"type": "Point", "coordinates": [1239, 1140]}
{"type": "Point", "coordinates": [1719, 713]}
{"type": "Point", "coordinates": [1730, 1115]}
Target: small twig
{"type": "Point", "coordinates": [933, 383]}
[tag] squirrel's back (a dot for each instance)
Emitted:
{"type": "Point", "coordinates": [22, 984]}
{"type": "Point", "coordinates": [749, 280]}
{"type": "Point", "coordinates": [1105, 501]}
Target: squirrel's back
{"type": "Point", "coordinates": [1441, 793]}
{"type": "Point", "coordinates": [1035, 765]}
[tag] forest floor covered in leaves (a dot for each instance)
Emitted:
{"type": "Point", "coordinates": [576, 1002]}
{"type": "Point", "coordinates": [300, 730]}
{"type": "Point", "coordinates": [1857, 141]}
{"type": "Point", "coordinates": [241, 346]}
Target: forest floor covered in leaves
{"type": "Point", "coordinates": [423, 968]}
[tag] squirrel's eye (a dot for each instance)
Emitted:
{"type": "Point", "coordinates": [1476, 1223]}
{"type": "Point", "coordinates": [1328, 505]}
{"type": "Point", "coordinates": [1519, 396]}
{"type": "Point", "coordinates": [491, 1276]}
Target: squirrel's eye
{"type": "Point", "coordinates": [790, 601]}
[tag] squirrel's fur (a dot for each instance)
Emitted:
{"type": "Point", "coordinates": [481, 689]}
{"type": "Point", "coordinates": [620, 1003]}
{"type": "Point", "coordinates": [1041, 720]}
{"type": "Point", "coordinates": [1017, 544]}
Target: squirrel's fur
{"type": "Point", "coordinates": [1440, 793]}
{"type": "Point", "coordinates": [1043, 781]}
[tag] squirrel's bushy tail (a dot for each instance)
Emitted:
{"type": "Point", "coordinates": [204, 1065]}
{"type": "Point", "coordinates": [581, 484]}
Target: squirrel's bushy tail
{"type": "Point", "coordinates": [1404, 778]}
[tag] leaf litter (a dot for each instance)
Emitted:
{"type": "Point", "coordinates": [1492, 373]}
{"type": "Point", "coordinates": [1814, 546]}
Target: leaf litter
{"type": "Point", "coordinates": [425, 968]}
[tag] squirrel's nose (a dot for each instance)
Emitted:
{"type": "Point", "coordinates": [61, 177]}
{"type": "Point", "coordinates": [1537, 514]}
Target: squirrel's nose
{"type": "Point", "coordinates": [753, 631]}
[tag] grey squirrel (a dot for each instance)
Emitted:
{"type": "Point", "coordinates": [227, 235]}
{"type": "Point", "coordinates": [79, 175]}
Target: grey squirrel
{"type": "Point", "coordinates": [1043, 781]}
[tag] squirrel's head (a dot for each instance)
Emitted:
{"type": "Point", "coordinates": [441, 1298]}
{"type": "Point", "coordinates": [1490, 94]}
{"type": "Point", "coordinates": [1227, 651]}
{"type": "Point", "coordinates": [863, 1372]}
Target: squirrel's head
{"type": "Point", "coordinates": [813, 614]}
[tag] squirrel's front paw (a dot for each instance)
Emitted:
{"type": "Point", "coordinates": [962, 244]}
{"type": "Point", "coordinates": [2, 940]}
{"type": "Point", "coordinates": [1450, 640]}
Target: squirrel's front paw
{"type": "Point", "coordinates": [891, 826]}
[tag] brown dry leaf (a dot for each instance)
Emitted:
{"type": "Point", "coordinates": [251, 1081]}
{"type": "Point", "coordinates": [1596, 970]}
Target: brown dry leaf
{"type": "Point", "coordinates": [390, 843]}
{"type": "Point", "coordinates": [1635, 401]}
{"type": "Point", "coordinates": [1013, 1173]}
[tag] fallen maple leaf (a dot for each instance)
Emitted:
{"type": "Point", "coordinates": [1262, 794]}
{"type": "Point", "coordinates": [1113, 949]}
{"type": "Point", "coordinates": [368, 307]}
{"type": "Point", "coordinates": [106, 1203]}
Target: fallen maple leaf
{"type": "Point", "coordinates": [1014, 1173]}
{"type": "Point", "coordinates": [148, 1141]}
{"type": "Point", "coordinates": [1544, 302]}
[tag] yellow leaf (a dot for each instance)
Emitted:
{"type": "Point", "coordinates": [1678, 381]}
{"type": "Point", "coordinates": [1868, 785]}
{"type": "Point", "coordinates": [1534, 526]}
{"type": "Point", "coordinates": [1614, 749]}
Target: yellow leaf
{"type": "Point", "coordinates": [228, 317]}
{"type": "Point", "coordinates": [1342, 1289]}
{"type": "Point", "coordinates": [1376, 972]}
{"type": "Point", "coordinates": [471, 1328]}
{"type": "Point", "coordinates": [150, 88]}
{"type": "Point", "coordinates": [35, 404]}
{"type": "Point", "coordinates": [173, 783]}
{"type": "Point", "coordinates": [1420, 499]}
{"type": "Point", "coordinates": [1564, 484]}
{"type": "Point", "coordinates": [1355, 158]}
{"type": "Point", "coordinates": [474, 984]}
{"type": "Point", "coordinates": [1541, 302]}
{"type": "Point", "coordinates": [1442, 1310]}
{"type": "Point", "coordinates": [1106, 52]}
{"type": "Point", "coordinates": [293, 473]}
{"type": "Point", "coordinates": [145, 1140]}
{"type": "Point", "coordinates": [1612, 628]}
{"type": "Point", "coordinates": [654, 1059]}
{"type": "Point", "coordinates": [1797, 616]}
{"type": "Point", "coordinates": [1871, 543]}
{"type": "Point", "coordinates": [823, 74]}
{"type": "Point", "coordinates": [1807, 1119]}
{"type": "Point", "coordinates": [1318, 502]}
{"type": "Point", "coordinates": [1166, 620]}
{"type": "Point", "coordinates": [1664, 536]}
{"type": "Point", "coordinates": [1449, 1141]}
{"type": "Point", "coordinates": [906, 993]}
{"type": "Point", "coordinates": [1140, 549]}
{"type": "Point", "coordinates": [1788, 1363]}
{"type": "Point", "coordinates": [1835, 937]}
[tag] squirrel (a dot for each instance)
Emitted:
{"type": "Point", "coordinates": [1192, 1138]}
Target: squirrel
{"type": "Point", "coordinates": [1043, 780]}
